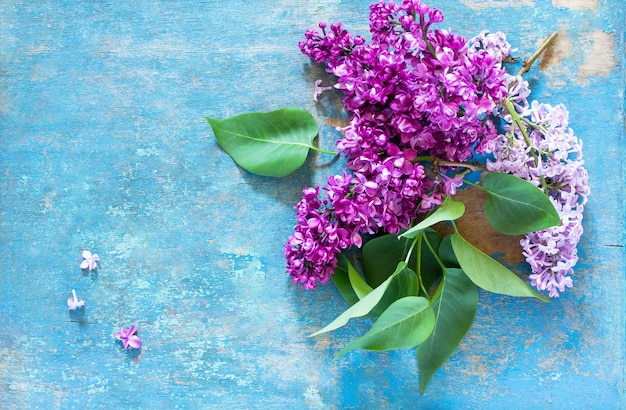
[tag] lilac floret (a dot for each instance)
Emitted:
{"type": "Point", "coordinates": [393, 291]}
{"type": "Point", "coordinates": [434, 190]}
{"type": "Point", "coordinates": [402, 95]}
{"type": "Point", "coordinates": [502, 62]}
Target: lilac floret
{"type": "Point", "coordinates": [73, 303]}
{"type": "Point", "coordinates": [90, 260]}
{"type": "Point", "coordinates": [128, 337]}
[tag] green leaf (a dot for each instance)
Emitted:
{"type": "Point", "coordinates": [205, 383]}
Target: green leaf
{"type": "Point", "coordinates": [404, 283]}
{"type": "Point", "coordinates": [360, 287]}
{"type": "Point", "coordinates": [449, 210]}
{"type": "Point", "coordinates": [454, 305]}
{"type": "Point", "coordinates": [363, 306]}
{"type": "Point", "coordinates": [406, 323]}
{"type": "Point", "coordinates": [381, 256]}
{"type": "Point", "coordinates": [430, 270]}
{"type": "Point", "coordinates": [488, 273]}
{"type": "Point", "coordinates": [446, 253]}
{"type": "Point", "coordinates": [272, 143]}
{"type": "Point", "coordinates": [342, 281]}
{"type": "Point", "coordinates": [515, 206]}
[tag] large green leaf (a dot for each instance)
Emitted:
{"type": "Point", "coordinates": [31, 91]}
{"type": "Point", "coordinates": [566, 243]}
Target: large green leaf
{"type": "Point", "coordinates": [360, 287]}
{"type": "Point", "coordinates": [449, 210]}
{"type": "Point", "coordinates": [454, 305]}
{"type": "Point", "coordinates": [446, 253]}
{"type": "Point", "coordinates": [515, 206]}
{"type": "Point", "coordinates": [380, 257]}
{"type": "Point", "coordinates": [488, 273]}
{"type": "Point", "coordinates": [430, 269]}
{"type": "Point", "coordinates": [403, 284]}
{"type": "Point", "coordinates": [342, 280]}
{"type": "Point", "coordinates": [406, 323]}
{"type": "Point", "coordinates": [363, 306]}
{"type": "Point", "coordinates": [272, 143]}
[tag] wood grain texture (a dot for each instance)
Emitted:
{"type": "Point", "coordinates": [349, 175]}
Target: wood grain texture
{"type": "Point", "coordinates": [103, 146]}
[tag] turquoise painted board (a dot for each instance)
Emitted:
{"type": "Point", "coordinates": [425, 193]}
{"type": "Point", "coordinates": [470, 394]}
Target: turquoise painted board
{"type": "Point", "coordinates": [103, 146]}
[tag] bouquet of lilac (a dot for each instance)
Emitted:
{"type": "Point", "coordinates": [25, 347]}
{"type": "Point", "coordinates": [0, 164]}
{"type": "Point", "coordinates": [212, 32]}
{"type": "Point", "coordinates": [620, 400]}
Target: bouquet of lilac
{"type": "Point", "coordinates": [430, 112]}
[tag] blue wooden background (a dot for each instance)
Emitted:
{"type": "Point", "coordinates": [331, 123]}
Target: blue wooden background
{"type": "Point", "coordinates": [103, 146]}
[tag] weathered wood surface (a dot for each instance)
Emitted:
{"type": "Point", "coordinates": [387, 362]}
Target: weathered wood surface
{"type": "Point", "coordinates": [103, 147]}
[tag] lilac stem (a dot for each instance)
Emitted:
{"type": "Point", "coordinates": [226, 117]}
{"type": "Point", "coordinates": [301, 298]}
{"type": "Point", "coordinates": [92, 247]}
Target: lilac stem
{"type": "Point", "coordinates": [528, 63]}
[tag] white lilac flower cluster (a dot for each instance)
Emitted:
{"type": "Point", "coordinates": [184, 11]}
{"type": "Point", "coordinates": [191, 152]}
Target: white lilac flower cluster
{"type": "Point", "coordinates": [540, 147]}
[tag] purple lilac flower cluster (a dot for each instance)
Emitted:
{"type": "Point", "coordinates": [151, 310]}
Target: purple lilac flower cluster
{"type": "Point", "coordinates": [546, 152]}
{"type": "Point", "coordinates": [414, 93]}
